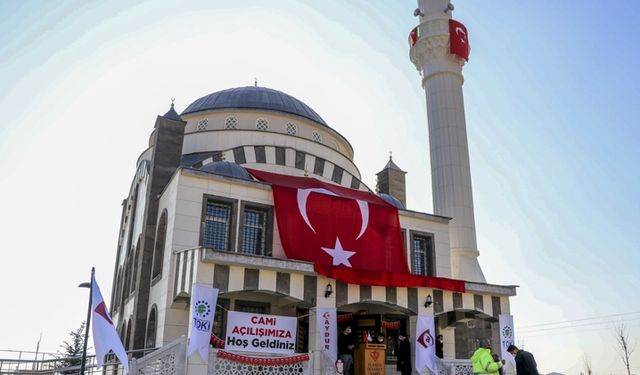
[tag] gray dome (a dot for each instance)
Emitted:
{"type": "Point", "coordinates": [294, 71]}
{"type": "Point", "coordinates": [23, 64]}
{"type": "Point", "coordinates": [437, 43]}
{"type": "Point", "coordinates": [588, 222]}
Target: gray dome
{"type": "Point", "coordinates": [252, 97]}
{"type": "Point", "coordinates": [225, 168]}
{"type": "Point", "coordinates": [395, 202]}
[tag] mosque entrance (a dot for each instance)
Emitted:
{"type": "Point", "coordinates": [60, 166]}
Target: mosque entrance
{"type": "Point", "coordinates": [465, 329]}
{"type": "Point", "coordinates": [370, 319]}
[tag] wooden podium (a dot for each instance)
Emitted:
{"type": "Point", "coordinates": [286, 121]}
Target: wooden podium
{"type": "Point", "coordinates": [369, 359]}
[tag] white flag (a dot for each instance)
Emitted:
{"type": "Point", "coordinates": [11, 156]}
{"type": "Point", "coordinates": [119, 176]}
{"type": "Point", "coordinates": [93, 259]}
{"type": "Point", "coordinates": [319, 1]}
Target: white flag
{"type": "Point", "coordinates": [203, 309]}
{"type": "Point", "coordinates": [326, 322]}
{"type": "Point", "coordinates": [507, 337]}
{"type": "Point", "coordinates": [425, 344]}
{"type": "Point", "coordinates": [105, 336]}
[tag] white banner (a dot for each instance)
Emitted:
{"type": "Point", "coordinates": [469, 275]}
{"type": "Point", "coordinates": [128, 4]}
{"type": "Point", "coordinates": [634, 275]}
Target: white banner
{"type": "Point", "coordinates": [261, 333]}
{"type": "Point", "coordinates": [425, 344]}
{"type": "Point", "coordinates": [327, 324]}
{"type": "Point", "coordinates": [203, 309]}
{"type": "Point", "coordinates": [507, 337]}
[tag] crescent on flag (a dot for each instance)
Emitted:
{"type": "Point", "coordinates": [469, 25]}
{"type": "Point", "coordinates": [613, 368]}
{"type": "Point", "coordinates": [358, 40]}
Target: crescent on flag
{"type": "Point", "coordinates": [303, 196]}
{"type": "Point", "coordinates": [460, 31]}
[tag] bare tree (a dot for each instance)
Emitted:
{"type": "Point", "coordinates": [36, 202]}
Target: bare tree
{"type": "Point", "coordinates": [625, 348]}
{"type": "Point", "coordinates": [586, 362]}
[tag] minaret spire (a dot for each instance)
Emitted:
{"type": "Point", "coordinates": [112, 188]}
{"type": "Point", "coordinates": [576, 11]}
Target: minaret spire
{"type": "Point", "coordinates": [450, 171]}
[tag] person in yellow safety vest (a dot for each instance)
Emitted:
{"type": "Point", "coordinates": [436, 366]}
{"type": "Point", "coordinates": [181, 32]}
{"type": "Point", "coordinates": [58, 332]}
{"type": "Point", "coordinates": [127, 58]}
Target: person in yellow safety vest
{"type": "Point", "coordinates": [482, 360]}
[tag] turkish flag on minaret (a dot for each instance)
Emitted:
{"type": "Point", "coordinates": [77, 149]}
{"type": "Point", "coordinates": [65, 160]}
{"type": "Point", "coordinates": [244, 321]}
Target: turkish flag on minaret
{"type": "Point", "coordinates": [459, 39]}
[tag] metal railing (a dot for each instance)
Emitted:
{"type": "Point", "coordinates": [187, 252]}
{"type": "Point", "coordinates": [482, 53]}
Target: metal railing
{"type": "Point", "coordinates": [17, 362]}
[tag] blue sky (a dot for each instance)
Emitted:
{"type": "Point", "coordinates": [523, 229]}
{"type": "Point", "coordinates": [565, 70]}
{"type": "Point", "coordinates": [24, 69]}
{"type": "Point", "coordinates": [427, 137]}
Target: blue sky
{"type": "Point", "coordinates": [551, 96]}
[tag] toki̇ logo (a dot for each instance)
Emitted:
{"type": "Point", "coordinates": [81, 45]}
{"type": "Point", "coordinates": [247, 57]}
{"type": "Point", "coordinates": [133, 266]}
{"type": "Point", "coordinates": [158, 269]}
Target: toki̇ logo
{"type": "Point", "coordinates": [425, 339]}
{"type": "Point", "coordinates": [201, 310]}
{"type": "Point", "coordinates": [507, 332]}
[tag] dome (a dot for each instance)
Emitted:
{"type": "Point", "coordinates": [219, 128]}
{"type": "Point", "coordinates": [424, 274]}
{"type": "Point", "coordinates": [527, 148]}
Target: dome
{"type": "Point", "coordinates": [252, 97]}
{"type": "Point", "coordinates": [395, 202]}
{"type": "Point", "coordinates": [225, 168]}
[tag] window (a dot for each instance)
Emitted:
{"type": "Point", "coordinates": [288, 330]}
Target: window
{"type": "Point", "coordinates": [262, 124]}
{"type": "Point", "coordinates": [292, 129]}
{"type": "Point", "coordinates": [123, 330]}
{"type": "Point", "coordinates": [318, 167]}
{"type": "Point", "coordinates": [150, 341]}
{"type": "Point", "coordinates": [158, 252]}
{"type": "Point", "coordinates": [316, 137]}
{"type": "Point", "coordinates": [128, 336]}
{"type": "Point", "coordinates": [115, 302]}
{"type": "Point", "coordinates": [231, 123]}
{"type": "Point", "coordinates": [256, 230]}
{"type": "Point", "coordinates": [135, 266]}
{"type": "Point", "coordinates": [252, 307]}
{"type": "Point", "coordinates": [217, 223]}
{"type": "Point", "coordinates": [220, 320]}
{"type": "Point", "coordinates": [127, 277]}
{"type": "Point", "coordinates": [202, 124]}
{"type": "Point", "coordinates": [422, 254]}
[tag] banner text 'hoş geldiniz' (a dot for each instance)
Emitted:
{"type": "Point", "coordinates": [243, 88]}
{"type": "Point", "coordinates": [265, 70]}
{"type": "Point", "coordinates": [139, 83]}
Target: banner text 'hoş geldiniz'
{"type": "Point", "coordinates": [350, 235]}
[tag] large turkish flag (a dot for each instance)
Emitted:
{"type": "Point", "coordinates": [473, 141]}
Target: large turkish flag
{"type": "Point", "coordinates": [335, 226]}
{"type": "Point", "coordinates": [459, 40]}
{"type": "Point", "coordinates": [349, 235]}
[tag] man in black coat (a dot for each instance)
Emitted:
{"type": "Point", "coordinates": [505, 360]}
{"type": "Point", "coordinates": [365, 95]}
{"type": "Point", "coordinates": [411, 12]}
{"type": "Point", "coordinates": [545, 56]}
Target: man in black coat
{"type": "Point", "coordinates": [404, 355]}
{"type": "Point", "coordinates": [346, 343]}
{"type": "Point", "coordinates": [525, 363]}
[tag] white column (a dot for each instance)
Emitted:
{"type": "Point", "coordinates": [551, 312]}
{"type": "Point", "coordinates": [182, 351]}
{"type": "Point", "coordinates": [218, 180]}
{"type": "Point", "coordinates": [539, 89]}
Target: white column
{"type": "Point", "coordinates": [450, 173]}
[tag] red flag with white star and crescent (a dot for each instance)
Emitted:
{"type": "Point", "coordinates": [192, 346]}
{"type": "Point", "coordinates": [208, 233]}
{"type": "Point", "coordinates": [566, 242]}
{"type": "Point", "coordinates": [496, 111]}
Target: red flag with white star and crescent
{"type": "Point", "coordinates": [459, 40]}
{"type": "Point", "coordinates": [349, 235]}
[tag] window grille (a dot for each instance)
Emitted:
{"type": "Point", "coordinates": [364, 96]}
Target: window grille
{"type": "Point", "coordinates": [231, 123]}
{"type": "Point", "coordinates": [262, 124]}
{"type": "Point", "coordinates": [217, 226]}
{"type": "Point", "coordinates": [254, 232]}
{"type": "Point", "coordinates": [316, 137]}
{"type": "Point", "coordinates": [292, 129]}
{"type": "Point", "coordinates": [202, 124]}
{"type": "Point", "coordinates": [422, 255]}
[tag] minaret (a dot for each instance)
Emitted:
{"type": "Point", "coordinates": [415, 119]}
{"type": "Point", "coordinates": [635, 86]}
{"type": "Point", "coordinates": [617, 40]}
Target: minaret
{"type": "Point", "coordinates": [450, 174]}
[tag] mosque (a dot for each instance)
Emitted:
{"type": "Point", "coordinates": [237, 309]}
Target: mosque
{"type": "Point", "coordinates": [201, 209]}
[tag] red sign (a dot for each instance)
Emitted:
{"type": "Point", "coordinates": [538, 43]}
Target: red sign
{"type": "Point", "coordinates": [459, 39]}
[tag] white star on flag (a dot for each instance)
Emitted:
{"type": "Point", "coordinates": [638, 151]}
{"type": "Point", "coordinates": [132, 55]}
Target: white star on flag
{"type": "Point", "coordinates": [339, 255]}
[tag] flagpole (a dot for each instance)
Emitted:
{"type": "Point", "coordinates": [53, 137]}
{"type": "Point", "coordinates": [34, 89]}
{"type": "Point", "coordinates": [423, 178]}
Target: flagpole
{"type": "Point", "coordinates": [86, 331]}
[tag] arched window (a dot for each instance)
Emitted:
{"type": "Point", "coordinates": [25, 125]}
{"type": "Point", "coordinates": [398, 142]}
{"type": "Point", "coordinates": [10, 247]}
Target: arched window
{"type": "Point", "coordinates": [132, 215]}
{"type": "Point", "coordinates": [127, 277]}
{"type": "Point", "coordinates": [118, 287]}
{"type": "Point", "coordinates": [150, 342]}
{"type": "Point", "coordinates": [158, 252]}
{"type": "Point", "coordinates": [132, 288]}
{"type": "Point", "coordinates": [123, 330]}
{"type": "Point", "coordinates": [121, 289]}
{"type": "Point", "coordinates": [128, 336]}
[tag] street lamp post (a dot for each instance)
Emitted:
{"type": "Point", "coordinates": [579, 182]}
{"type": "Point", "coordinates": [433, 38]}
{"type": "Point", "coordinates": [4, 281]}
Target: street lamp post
{"type": "Point", "coordinates": [86, 331]}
